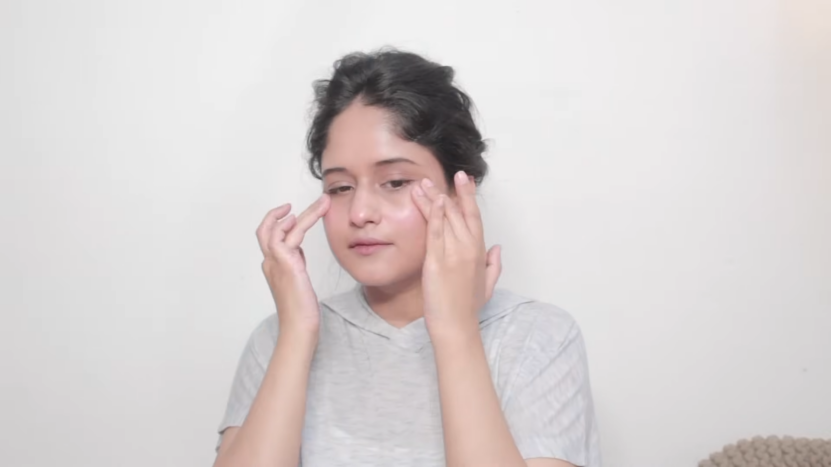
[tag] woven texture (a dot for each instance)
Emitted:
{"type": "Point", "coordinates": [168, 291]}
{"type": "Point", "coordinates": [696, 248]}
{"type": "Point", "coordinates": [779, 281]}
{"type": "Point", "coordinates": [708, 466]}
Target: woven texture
{"type": "Point", "coordinates": [773, 452]}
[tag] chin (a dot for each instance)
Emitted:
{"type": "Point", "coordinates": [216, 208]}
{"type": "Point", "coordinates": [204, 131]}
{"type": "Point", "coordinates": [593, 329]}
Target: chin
{"type": "Point", "coordinates": [379, 276]}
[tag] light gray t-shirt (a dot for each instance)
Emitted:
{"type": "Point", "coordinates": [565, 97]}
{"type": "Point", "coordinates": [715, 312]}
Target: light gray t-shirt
{"type": "Point", "coordinates": [373, 397]}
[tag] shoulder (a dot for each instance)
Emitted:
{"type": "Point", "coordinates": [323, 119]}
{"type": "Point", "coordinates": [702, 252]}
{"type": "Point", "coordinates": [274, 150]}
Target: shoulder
{"type": "Point", "coordinates": [263, 339]}
{"type": "Point", "coordinates": [547, 325]}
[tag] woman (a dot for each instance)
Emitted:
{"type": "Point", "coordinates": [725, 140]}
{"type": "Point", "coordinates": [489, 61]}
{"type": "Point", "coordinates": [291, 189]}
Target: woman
{"type": "Point", "coordinates": [424, 363]}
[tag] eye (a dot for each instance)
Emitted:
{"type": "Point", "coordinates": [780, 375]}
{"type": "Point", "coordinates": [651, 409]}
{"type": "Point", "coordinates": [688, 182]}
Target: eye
{"type": "Point", "coordinates": [396, 184]}
{"type": "Point", "coordinates": [338, 190]}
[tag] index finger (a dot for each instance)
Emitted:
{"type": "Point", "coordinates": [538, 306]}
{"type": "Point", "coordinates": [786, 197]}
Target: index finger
{"type": "Point", "coordinates": [421, 201]}
{"type": "Point", "coordinates": [306, 220]}
{"type": "Point", "coordinates": [466, 192]}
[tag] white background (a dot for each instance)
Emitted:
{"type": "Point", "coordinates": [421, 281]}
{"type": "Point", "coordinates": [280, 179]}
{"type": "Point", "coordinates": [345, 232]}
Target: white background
{"type": "Point", "coordinates": [660, 169]}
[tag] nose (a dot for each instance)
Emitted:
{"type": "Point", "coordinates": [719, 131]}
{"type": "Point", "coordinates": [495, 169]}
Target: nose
{"type": "Point", "coordinates": [364, 208]}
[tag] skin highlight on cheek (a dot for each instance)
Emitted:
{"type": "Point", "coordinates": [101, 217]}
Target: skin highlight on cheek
{"type": "Point", "coordinates": [406, 216]}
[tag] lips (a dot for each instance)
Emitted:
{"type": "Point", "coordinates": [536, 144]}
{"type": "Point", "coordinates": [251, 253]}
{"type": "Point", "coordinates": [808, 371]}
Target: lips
{"type": "Point", "coordinates": [368, 246]}
{"type": "Point", "coordinates": [368, 243]}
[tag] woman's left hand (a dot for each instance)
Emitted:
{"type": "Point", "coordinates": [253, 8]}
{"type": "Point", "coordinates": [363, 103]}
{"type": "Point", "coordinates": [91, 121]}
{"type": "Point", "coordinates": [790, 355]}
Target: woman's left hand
{"type": "Point", "coordinates": [459, 275]}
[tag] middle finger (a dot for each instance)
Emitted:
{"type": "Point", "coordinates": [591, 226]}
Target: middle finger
{"type": "Point", "coordinates": [466, 191]}
{"type": "Point", "coordinates": [455, 219]}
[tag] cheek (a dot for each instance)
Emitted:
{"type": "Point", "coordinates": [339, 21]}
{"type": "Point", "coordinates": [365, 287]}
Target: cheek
{"type": "Point", "coordinates": [408, 220]}
{"type": "Point", "coordinates": [336, 221]}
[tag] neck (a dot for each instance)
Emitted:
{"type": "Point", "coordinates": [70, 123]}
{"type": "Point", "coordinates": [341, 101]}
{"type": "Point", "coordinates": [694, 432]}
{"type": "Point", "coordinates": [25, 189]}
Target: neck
{"type": "Point", "coordinates": [399, 304]}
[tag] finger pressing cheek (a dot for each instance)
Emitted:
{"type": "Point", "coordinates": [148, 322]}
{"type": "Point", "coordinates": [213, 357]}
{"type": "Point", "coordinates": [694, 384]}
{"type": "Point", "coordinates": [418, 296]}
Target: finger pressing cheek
{"type": "Point", "coordinates": [430, 189]}
{"type": "Point", "coordinates": [421, 201]}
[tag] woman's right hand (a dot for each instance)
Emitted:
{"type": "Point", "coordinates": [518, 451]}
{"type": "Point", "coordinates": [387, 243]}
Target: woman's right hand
{"type": "Point", "coordinates": [284, 265]}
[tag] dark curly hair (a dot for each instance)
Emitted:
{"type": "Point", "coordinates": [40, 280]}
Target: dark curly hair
{"type": "Point", "coordinates": [420, 95]}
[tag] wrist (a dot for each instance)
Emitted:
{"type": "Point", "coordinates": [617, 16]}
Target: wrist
{"type": "Point", "coordinates": [458, 333]}
{"type": "Point", "coordinates": [302, 341]}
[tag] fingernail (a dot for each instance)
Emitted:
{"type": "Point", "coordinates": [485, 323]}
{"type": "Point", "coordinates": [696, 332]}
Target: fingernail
{"type": "Point", "coordinates": [461, 177]}
{"type": "Point", "coordinates": [418, 191]}
{"type": "Point", "coordinates": [426, 183]}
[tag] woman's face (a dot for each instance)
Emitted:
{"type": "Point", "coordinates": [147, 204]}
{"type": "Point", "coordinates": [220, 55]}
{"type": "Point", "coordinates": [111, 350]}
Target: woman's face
{"type": "Point", "coordinates": [374, 229]}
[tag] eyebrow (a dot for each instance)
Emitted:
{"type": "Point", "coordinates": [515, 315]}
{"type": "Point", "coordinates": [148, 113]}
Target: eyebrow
{"type": "Point", "coordinates": [394, 160]}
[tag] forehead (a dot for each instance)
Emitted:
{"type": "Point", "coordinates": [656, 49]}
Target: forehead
{"type": "Point", "coordinates": [361, 136]}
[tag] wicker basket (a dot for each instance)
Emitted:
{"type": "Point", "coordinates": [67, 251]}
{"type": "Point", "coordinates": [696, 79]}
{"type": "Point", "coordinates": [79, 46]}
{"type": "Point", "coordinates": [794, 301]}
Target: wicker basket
{"type": "Point", "coordinates": [773, 452]}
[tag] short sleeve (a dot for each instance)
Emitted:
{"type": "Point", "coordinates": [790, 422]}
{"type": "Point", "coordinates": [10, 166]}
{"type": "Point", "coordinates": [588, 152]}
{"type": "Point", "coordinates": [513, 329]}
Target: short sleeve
{"type": "Point", "coordinates": [249, 374]}
{"type": "Point", "coordinates": [550, 411]}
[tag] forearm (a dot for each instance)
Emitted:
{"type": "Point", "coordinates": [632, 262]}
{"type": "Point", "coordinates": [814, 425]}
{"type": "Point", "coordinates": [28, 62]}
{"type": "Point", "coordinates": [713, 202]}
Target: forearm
{"type": "Point", "coordinates": [475, 430]}
{"type": "Point", "coordinates": [271, 433]}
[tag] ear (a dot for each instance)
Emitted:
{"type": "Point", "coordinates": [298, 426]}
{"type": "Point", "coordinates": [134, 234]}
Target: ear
{"type": "Point", "coordinates": [493, 269]}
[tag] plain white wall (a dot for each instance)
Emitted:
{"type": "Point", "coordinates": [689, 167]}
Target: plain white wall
{"type": "Point", "coordinates": [660, 169]}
